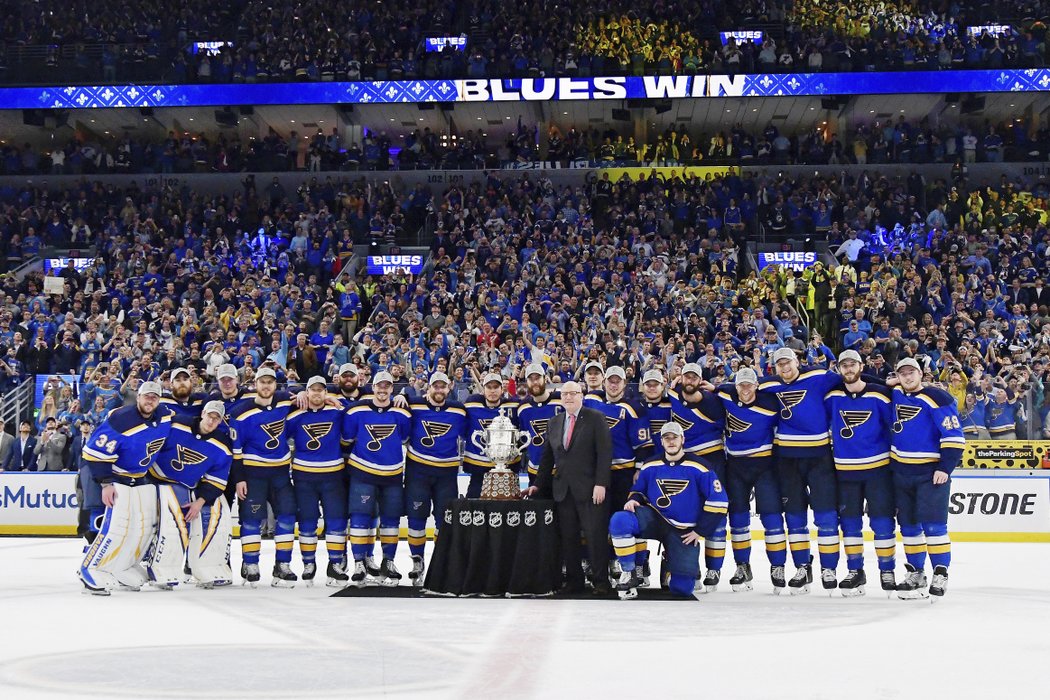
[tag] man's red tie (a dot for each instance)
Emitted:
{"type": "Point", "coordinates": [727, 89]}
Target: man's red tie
{"type": "Point", "coordinates": [568, 428]}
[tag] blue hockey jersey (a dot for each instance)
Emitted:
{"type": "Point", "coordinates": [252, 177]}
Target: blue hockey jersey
{"type": "Point", "coordinates": [703, 423]}
{"type": "Point", "coordinates": [436, 432]}
{"type": "Point", "coordinates": [974, 421]}
{"type": "Point", "coordinates": [230, 404]}
{"type": "Point", "coordinates": [125, 444]}
{"type": "Point", "coordinates": [317, 437]}
{"type": "Point", "coordinates": [628, 429]}
{"type": "Point", "coordinates": [656, 413]}
{"type": "Point", "coordinates": [1000, 418]}
{"type": "Point", "coordinates": [479, 415]}
{"type": "Point", "coordinates": [685, 494]}
{"type": "Point", "coordinates": [860, 430]}
{"type": "Point", "coordinates": [750, 428]}
{"type": "Point", "coordinates": [802, 430]}
{"type": "Point", "coordinates": [191, 408]}
{"type": "Point", "coordinates": [926, 433]}
{"type": "Point", "coordinates": [378, 436]}
{"type": "Point", "coordinates": [535, 418]}
{"type": "Point", "coordinates": [199, 462]}
{"type": "Point", "coordinates": [259, 438]}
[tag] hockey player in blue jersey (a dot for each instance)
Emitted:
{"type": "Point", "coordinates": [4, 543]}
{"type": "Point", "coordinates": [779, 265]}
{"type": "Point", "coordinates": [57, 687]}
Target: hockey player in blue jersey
{"type": "Point", "coordinates": [677, 501]}
{"type": "Point", "coordinates": [319, 476]}
{"type": "Point", "coordinates": [348, 393]}
{"type": "Point", "coordinates": [120, 453]}
{"type": "Point", "coordinates": [861, 416]}
{"type": "Point", "coordinates": [378, 430]}
{"type": "Point", "coordinates": [194, 522]}
{"type": "Point", "coordinates": [182, 401]}
{"type": "Point", "coordinates": [654, 403]}
{"type": "Point", "coordinates": [482, 409]}
{"type": "Point", "coordinates": [535, 414]}
{"type": "Point", "coordinates": [804, 466]}
{"type": "Point", "coordinates": [230, 393]}
{"type": "Point", "coordinates": [433, 464]}
{"type": "Point", "coordinates": [751, 421]}
{"type": "Point", "coordinates": [629, 430]}
{"type": "Point", "coordinates": [656, 410]}
{"type": "Point", "coordinates": [702, 417]}
{"type": "Point", "coordinates": [926, 444]}
{"type": "Point", "coordinates": [261, 461]}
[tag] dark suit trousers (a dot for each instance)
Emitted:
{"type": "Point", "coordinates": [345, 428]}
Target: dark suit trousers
{"type": "Point", "coordinates": [574, 516]}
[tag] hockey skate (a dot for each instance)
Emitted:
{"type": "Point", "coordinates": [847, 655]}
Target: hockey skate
{"type": "Point", "coordinates": [388, 574]}
{"type": "Point", "coordinates": [643, 573]}
{"type": "Point", "coordinates": [710, 582]}
{"type": "Point", "coordinates": [416, 574]}
{"type": "Point", "coordinates": [361, 578]}
{"type": "Point", "coordinates": [889, 582]}
{"type": "Point", "coordinates": [828, 579]}
{"type": "Point", "coordinates": [799, 583]}
{"type": "Point", "coordinates": [372, 568]}
{"type": "Point", "coordinates": [337, 577]}
{"type": "Point", "coordinates": [283, 577]}
{"type": "Point", "coordinates": [93, 590]}
{"type": "Point", "coordinates": [853, 585]}
{"type": "Point", "coordinates": [913, 587]}
{"type": "Point", "coordinates": [627, 585]}
{"type": "Point", "coordinates": [940, 581]}
{"type": "Point", "coordinates": [776, 575]}
{"type": "Point", "coordinates": [250, 574]}
{"type": "Point", "coordinates": [309, 572]}
{"type": "Point", "coordinates": [741, 581]}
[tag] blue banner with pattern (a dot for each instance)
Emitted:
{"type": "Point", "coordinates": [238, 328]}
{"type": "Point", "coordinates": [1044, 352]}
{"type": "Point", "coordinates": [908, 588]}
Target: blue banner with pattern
{"type": "Point", "coordinates": [527, 89]}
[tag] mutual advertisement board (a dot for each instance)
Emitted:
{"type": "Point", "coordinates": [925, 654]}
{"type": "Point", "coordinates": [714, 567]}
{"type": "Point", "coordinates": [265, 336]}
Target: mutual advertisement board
{"type": "Point", "coordinates": [38, 503]}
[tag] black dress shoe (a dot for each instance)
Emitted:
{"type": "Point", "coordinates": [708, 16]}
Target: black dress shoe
{"type": "Point", "coordinates": [571, 589]}
{"type": "Point", "coordinates": [601, 590]}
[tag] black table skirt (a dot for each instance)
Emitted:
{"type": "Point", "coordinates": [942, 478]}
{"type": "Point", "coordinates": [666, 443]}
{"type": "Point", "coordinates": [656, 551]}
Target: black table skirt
{"type": "Point", "coordinates": [496, 548]}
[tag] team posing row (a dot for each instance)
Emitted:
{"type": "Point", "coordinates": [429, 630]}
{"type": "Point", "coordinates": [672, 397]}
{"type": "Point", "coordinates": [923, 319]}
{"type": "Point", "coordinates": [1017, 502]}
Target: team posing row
{"type": "Point", "coordinates": [361, 454]}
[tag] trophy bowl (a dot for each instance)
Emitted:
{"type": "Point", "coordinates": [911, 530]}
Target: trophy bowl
{"type": "Point", "coordinates": [502, 443]}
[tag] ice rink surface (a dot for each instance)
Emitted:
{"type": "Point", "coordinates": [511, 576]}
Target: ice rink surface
{"type": "Point", "coordinates": [986, 639]}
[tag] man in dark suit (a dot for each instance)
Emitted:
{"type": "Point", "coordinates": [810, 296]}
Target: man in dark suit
{"type": "Point", "coordinates": [21, 457]}
{"type": "Point", "coordinates": [580, 446]}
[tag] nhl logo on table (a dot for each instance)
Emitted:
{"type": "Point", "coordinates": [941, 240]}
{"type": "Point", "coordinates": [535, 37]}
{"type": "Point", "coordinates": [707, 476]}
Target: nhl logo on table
{"type": "Point", "coordinates": [464, 518]}
{"type": "Point", "coordinates": [530, 518]}
{"type": "Point", "coordinates": [495, 519]}
{"type": "Point", "coordinates": [448, 516]}
{"type": "Point", "coordinates": [513, 519]}
{"type": "Point", "coordinates": [548, 516]}
{"type": "Point", "coordinates": [479, 517]}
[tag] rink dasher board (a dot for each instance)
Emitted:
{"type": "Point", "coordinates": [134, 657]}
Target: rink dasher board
{"type": "Point", "coordinates": [984, 506]}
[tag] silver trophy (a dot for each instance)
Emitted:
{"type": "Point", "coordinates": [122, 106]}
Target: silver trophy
{"type": "Point", "coordinates": [501, 441]}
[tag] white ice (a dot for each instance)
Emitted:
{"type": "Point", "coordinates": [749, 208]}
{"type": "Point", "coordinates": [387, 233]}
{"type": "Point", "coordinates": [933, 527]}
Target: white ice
{"type": "Point", "coordinates": [987, 638]}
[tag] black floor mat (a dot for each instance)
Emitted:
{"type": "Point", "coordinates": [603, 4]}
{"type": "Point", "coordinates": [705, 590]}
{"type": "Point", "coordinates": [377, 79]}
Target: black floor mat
{"type": "Point", "coordinates": [379, 592]}
{"type": "Point", "coordinates": [644, 594]}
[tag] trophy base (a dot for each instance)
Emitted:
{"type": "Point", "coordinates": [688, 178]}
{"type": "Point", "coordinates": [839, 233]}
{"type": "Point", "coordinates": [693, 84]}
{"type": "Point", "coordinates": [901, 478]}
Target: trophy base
{"type": "Point", "coordinates": [500, 485]}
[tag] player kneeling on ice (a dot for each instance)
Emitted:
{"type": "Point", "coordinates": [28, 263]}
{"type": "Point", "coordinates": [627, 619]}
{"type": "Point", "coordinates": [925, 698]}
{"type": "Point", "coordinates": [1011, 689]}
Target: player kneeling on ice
{"type": "Point", "coordinates": [675, 500]}
{"type": "Point", "coordinates": [191, 472]}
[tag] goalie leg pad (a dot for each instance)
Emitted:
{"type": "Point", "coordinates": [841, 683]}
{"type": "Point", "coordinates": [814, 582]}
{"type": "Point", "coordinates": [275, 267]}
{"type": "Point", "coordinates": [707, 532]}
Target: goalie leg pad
{"type": "Point", "coordinates": [168, 553]}
{"type": "Point", "coordinates": [209, 548]}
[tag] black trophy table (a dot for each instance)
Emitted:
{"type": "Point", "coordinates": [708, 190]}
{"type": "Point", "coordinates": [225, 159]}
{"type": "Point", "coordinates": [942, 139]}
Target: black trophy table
{"type": "Point", "coordinates": [496, 548]}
